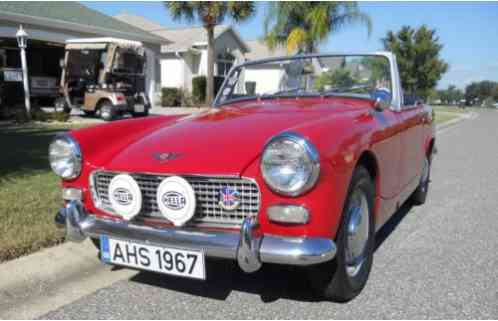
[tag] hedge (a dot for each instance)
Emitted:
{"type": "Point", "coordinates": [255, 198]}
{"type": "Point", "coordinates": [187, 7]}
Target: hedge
{"type": "Point", "coordinates": [171, 97]}
{"type": "Point", "coordinates": [199, 89]}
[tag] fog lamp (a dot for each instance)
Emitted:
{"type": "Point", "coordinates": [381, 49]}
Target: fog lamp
{"type": "Point", "coordinates": [72, 194]}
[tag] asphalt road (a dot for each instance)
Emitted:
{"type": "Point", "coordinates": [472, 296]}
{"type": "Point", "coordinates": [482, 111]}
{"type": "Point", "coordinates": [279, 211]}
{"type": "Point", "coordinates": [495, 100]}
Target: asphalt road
{"type": "Point", "coordinates": [435, 261]}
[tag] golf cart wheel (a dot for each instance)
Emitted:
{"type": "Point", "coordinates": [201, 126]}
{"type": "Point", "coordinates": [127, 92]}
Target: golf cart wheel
{"type": "Point", "coordinates": [89, 112]}
{"type": "Point", "coordinates": [107, 111]}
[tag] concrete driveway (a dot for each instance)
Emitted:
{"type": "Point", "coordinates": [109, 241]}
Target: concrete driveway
{"type": "Point", "coordinates": [435, 261]}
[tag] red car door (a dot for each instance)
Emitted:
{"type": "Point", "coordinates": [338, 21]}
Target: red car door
{"type": "Point", "coordinates": [412, 155]}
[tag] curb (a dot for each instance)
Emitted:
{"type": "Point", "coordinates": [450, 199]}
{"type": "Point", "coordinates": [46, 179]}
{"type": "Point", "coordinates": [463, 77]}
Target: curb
{"type": "Point", "coordinates": [34, 285]}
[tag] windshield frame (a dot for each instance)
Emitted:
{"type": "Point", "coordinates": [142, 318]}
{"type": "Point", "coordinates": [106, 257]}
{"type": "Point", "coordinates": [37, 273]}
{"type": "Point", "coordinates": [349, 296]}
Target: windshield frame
{"type": "Point", "coordinates": [395, 103]}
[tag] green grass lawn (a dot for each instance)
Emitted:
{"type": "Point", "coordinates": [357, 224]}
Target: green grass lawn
{"type": "Point", "coordinates": [30, 193]}
{"type": "Point", "coordinates": [447, 113]}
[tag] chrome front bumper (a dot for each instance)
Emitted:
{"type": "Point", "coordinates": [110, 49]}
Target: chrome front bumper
{"type": "Point", "coordinates": [249, 249]}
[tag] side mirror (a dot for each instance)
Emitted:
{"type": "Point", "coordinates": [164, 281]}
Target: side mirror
{"type": "Point", "coordinates": [382, 98]}
{"type": "Point", "coordinates": [380, 104]}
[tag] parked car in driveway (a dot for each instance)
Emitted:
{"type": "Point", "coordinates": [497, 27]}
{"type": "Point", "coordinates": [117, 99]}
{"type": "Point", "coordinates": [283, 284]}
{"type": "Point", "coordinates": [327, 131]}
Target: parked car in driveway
{"type": "Point", "coordinates": [301, 172]}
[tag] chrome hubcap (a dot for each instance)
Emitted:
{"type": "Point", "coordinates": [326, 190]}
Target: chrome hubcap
{"type": "Point", "coordinates": [357, 233]}
{"type": "Point", "coordinates": [425, 175]}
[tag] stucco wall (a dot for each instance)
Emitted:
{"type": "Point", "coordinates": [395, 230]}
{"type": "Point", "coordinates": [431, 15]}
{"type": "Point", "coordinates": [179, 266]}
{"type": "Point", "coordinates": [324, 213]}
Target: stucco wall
{"type": "Point", "coordinates": [172, 72]}
{"type": "Point", "coordinates": [178, 72]}
{"type": "Point", "coordinates": [267, 79]}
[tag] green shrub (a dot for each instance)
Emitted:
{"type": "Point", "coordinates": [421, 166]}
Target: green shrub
{"type": "Point", "coordinates": [171, 97]}
{"type": "Point", "coordinates": [199, 89]}
{"type": "Point", "coordinates": [59, 116]}
{"type": "Point", "coordinates": [40, 115]}
{"type": "Point", "coordinates": [20, 116]}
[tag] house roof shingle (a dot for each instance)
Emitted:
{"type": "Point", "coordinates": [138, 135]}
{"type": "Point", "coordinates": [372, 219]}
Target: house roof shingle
{"type": "Point", "coordinates": [259, 50]}
{"type": "Point", "coordinates": [73, 13]}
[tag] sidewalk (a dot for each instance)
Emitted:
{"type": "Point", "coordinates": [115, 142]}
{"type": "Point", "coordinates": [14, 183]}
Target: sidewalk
{"type": "Point", "coordinates": [36, 284]}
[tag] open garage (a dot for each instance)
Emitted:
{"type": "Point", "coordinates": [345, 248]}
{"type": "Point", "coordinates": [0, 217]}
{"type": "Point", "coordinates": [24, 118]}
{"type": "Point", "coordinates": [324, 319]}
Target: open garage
{"type": "Point", "coordinates": [48, 27]}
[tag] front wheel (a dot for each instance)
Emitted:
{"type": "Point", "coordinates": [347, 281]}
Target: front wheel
{"type": "Point", "coordinates": [420, 195]}
{"type": "Point", "coordinates": [345, 276]}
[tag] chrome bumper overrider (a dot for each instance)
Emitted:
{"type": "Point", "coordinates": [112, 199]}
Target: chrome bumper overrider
{"type": "Point", "coordinates": [249, 249]}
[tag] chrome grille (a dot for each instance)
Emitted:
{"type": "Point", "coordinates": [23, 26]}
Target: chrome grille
{"type": "Point", "coordinates": [207, 190]}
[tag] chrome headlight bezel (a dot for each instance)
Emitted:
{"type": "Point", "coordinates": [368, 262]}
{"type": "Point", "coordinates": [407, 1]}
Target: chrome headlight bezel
{"type": "Point", "coordinates": [75, 156]}
{"type": "Point", "coordinates": [309, 152]}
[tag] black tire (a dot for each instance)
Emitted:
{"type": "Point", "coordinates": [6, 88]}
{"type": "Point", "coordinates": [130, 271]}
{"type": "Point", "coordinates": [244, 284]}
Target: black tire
{"type": "Point", "coordinates": [331, 280]}
{"type": "Point", "coordinates": [89, 112]}
{"type": "Point", "coordinates": [420, 195]}
{"type": "Point", "coordinates": [107, 111]}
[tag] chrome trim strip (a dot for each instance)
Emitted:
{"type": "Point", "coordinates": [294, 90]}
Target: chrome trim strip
{"type": "Point", "coordinates": [245, 246]}
{"type": "Point", "coordinates": [221, 176]}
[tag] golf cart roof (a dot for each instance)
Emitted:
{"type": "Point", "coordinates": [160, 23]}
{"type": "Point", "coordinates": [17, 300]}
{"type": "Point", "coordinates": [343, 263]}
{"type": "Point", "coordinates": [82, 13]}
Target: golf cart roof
{"type": "Point", "coordinates": [100, 43]}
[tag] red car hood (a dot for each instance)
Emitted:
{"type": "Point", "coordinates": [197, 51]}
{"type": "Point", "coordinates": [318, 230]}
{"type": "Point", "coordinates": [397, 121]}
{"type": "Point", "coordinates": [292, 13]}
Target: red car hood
{"type": "Point", "coordinates": [223, 141]}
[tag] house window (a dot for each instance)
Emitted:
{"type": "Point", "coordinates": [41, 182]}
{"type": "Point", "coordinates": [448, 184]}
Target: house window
{"type": "Point", "coordinates": [224, 63]}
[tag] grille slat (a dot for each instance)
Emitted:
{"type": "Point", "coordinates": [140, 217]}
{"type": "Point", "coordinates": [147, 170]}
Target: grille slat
{"type": "Point", "coordinates": [207, 190]}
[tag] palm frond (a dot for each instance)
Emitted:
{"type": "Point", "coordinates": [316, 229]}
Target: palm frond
{"type": "Point", "coordinates": [296, 40]}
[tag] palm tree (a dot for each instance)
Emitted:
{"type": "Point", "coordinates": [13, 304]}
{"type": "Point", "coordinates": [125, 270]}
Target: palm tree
{"type": "Point", "coordinates": [210, 14]}
{"type": "Point", "coordinates": [302, 26]}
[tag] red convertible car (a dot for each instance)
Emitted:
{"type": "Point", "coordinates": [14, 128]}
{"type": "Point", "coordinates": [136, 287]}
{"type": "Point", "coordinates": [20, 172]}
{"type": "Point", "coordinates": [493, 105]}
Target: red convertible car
{"type": "Point", "coordinates": [300, 162]}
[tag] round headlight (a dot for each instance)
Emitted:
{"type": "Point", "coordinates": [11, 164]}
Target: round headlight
{"type": "Point", "coordinates": [290, 164]}
{"type": "Point", "coordinates": [65, 157]}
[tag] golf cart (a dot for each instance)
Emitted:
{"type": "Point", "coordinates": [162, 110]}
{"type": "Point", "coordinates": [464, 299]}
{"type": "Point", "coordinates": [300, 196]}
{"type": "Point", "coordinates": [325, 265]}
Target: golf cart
{"type": "Point", "coordinates": [104, 77]}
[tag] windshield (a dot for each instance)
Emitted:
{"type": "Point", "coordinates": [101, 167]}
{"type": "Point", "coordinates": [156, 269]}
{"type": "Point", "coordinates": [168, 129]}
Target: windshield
{"type": "Point", "coordinates": [128, 61]}
{"type": "Point", "coordinates": [86, 63]}
{"type": "Point", "coordinates": [362, 76]}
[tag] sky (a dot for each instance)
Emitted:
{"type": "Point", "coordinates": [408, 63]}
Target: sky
{"type": "Point", "coordinates": [468, 31]}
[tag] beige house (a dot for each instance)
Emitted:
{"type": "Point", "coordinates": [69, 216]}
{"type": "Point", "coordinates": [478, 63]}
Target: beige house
{"type": "Point", "coordinates": [267, 77]}
{"type": "Point", "coordinates": [184, 53]}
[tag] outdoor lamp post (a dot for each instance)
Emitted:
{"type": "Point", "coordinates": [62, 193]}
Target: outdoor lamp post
{"type": "Point", "coordinates": [22, 42]}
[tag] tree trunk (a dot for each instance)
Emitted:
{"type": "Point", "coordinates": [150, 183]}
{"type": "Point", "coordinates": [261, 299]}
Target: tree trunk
{"type": "Point", "coordinates": [310, 47]}
{"type": "Point", "coordinates": [210, 65]}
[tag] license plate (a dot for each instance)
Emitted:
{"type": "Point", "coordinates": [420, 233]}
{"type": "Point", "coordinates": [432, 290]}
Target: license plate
{"type": "Point", "coordinates": [12, 75]}
{"type": "Point", "coordinates": [186, 263]}
{"type": "Point", "coordinates": [139, 108]}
